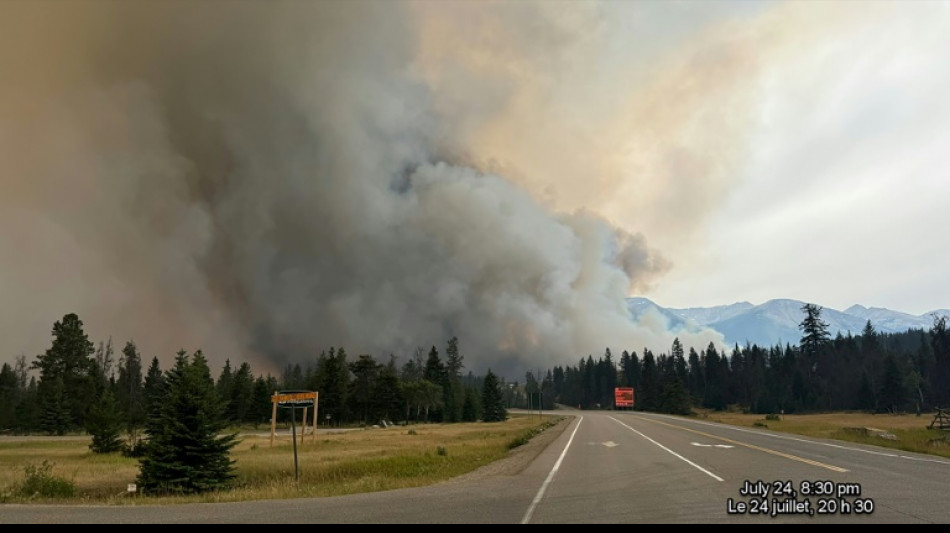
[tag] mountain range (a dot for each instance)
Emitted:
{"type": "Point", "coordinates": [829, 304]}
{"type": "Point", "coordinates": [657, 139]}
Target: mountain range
{"type": "Point", "coordinates": [776, 322]}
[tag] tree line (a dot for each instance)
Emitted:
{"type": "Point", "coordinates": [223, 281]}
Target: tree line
{"type": "Point", "coordinates": [872, 371]}
{"type": "Point", "coordinates": [177, 420]}
{"type": "Point", "coordinates": [81, 387]}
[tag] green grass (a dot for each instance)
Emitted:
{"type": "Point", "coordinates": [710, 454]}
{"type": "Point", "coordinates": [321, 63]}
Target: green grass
{"type": "Point", "coordinates": [338, 463]}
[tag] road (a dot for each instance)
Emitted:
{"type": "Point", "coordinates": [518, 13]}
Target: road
{"type": "Point", "coordinates": [616, 468]}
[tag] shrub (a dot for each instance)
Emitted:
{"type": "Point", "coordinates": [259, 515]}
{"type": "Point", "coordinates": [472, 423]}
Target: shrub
{"type": "Point", "coordinates": [41, 483]}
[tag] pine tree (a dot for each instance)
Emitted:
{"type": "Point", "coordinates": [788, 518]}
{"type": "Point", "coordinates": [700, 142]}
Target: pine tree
{"type": "Point", "coordinates": [815, 336]}
{"type": "Point", "coordinates": [435, 374]}
{"type": "Point", "coordinates": [186, 451]}
{"type": "Point", "coordinates": [104, 424]}
{"type": "Point", "coordinates": [493, 401]}
{"type": "Point", "coordinates": [454, 393]}
{"type": "Point", "coordinates": [130, 393]}
{"type": "Point", "coordinates": [67, 366]}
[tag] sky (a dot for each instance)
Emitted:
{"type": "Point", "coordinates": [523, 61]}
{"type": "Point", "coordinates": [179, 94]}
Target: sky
{"type": "Point", "coordinates": [265, 180]}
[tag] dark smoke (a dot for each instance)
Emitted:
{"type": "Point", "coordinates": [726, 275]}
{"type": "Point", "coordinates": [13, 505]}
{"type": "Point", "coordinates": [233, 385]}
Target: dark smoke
{"type": "Point", "coordinates": [264, 180]}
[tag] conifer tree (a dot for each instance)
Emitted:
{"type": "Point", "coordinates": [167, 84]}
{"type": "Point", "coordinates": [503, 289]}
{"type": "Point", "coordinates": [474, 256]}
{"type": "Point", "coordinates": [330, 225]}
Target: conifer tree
{"type": "Point", "coordinates": [815, 334]}
{"type": "Point", "coordinates": [186, 451]}
{"type": "Point", "coordinates": [493, 401]}
{"type": "Point", "coordinates": [66, 376]}
{"type": "Point", "coordinates": [104, 423]}
{"type": "Point", "coordinates": [130, 393]}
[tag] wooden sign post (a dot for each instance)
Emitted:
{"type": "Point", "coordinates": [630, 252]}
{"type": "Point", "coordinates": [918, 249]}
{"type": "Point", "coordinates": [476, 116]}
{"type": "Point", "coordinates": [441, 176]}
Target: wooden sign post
{"type": "Point", "coordinates": [293, 400]}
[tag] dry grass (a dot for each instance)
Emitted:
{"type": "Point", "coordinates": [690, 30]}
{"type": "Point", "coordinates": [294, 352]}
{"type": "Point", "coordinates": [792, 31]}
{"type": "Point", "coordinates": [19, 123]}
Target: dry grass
{"type": "Point", "coordinates": [906, 432]}
{"type": "Point", "coordinates": [337, 463]}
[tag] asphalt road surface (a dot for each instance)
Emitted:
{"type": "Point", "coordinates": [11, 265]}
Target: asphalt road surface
{"type": "Point", "coordinates": [615, 467]}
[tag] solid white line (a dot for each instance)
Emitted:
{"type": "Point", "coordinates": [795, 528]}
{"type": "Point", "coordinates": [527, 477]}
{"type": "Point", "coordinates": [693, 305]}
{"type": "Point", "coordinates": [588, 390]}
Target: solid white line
{"type": "Point", "coordinates": [557, 465]}
{"type": "Point", "coordinates": [694, 465]}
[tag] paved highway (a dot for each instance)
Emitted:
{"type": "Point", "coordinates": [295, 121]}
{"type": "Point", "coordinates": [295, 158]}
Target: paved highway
{"type": "Point", "coordinates": [616, 468]}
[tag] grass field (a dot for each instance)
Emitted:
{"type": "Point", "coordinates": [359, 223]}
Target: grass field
{"type": "Point", "coordinates": [376, 459]}
{"type": "Point", "coordinates": [331, 464]}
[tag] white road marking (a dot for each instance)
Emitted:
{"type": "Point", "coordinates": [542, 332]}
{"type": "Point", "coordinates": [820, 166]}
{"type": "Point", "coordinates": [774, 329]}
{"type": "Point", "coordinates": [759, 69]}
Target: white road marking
{"type": "Point", "coordinates": [808, 441]}
{"type": "Point", "coordinates": [557, 466]}
{"type": "Point", "coordinates": [712, 445]}
{"type": "Point", "coordinates": [671, 452]}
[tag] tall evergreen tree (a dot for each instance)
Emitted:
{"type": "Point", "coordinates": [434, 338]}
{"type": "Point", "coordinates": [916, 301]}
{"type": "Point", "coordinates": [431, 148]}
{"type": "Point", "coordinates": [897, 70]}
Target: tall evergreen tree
{"type": "Point", "coordinates": [335, 386]}
{"type": "Point", "coordinates": [224, 386]}
{"type": "Point", "coordinates": [454, 393]}
{"type": "Point", "coordinates": [365, 371]}
{"type": "Point", "coordinates": [240, 404]}
{"type": "Point", "coordinates": [153, 392]}
{"type": "Point", "coordinates": [716, 370]}
{"type": "Point", "coordinates": [130, 393]}
{"type": "Point", "coordinates": [648, 397]}
{"type": "Point", "coordinates": [815, 336]}
{"type": "Point", "coordinates": [261, 407]}
{"type": "Point", "coordinates": [55, 417]}
{"type": "Point", "coordinates": [493, 402]}
{"type": "Point", "coordinates": [66, 376]}
{"type": "Point", "coordinates": [9, 397]}
{"type": "Point", "coordinates": [187, 452]}
{"type": "Point", "coordinates": [435, 374]}
{"type": "Point", "coordinates": [387, 398]}
{"type": "Point", "coordinates": [940, 346]}
{"type": "Point", "coordinates": [696, 380]}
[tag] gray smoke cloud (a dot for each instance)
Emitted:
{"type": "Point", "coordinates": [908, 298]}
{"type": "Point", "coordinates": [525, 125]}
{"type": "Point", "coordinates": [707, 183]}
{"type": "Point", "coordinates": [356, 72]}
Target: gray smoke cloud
{"type": "Point", "coordinates": [265, 180]}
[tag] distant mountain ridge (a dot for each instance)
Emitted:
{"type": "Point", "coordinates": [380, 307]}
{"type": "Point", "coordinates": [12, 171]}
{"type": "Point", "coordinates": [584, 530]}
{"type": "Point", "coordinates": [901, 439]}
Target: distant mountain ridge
{"type": "Point", "coordinates": [776, 321]}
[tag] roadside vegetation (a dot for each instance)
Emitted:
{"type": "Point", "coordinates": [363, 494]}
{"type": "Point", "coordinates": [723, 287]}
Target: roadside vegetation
{"type": "Point", "coordinates": [65, 470]}
{"type": "Point", "coordinates": [906, 432]}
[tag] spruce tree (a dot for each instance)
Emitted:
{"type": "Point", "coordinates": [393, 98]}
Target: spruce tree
{"type": "Point", "coordinates": [104, 423]}
{"type": "Point", "coordinates": [815, 336]}
{"type": "Point", "coordinates": [186, 452]}
{"type": "Point", "coordinates": [493, 401]}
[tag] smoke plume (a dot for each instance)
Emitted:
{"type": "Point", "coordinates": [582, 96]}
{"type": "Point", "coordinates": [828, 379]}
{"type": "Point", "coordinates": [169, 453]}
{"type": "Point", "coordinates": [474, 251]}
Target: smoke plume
{"type": "Point", "coordinates": [265, 180]}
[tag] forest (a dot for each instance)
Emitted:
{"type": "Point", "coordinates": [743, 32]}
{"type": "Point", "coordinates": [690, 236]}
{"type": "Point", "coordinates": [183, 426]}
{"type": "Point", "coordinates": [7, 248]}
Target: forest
{"type": "Point", "coordinates": [77, 385]}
